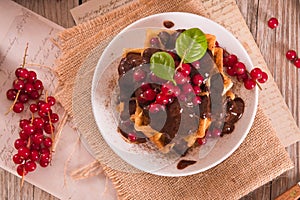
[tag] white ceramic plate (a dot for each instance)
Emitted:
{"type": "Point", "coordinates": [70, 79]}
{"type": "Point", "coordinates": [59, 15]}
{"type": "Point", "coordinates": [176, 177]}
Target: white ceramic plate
{"type": "Point", "coordinates": [106, 74]}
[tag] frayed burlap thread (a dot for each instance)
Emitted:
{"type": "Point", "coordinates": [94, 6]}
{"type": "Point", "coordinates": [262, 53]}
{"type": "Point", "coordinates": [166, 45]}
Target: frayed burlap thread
{"type": "Point", "coordinates": [258, 160]}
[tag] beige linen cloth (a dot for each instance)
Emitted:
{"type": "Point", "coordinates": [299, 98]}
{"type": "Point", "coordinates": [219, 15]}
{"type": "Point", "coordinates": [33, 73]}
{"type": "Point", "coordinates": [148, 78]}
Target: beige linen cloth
{"type": "Point", "coordinates": [259, 159]}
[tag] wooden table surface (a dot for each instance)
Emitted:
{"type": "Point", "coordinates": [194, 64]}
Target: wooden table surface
{"type": "Point", "coordinates": [273, 46]}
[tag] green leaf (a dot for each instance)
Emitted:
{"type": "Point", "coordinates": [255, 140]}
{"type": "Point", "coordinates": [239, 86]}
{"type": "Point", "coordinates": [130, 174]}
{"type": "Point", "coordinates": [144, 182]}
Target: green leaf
{"type": "Point", "coordinates": [162, 65]}
{"type": "Point", "coordinates": [191, 45]}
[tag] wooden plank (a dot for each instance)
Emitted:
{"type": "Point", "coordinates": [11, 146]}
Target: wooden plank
{"type": "Point", "coordinates": [57, 11]}
{"type": "Point", "coordinates": [273, 45]}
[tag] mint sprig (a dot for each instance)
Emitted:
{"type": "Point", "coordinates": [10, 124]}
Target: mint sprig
{"type": "Point", "coordinates": [163, 66]}
{"type": "Point", "coordinates": [191, 45]}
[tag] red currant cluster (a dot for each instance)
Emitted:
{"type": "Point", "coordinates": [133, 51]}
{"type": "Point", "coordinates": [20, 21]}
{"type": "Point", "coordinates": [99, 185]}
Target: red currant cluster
{"type": "Point", "coordinates": [238, 69]}
{"type": "Point", "coordinates": [25, 87]}
{"type": "Point", "coordinates": [291, 55]}
{"type": "Point", "coordinates": [36, 136]}
{"type": "Point", "coordinates": [187, 88]}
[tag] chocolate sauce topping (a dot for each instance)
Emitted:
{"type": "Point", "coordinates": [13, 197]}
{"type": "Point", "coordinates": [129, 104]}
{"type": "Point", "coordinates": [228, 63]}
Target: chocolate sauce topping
{"type": "Point", "coordinates": [168, 24]}
{"type": "Point", "coordinates": [179, 119]}
{"type": "Point", "coordinates": [185, 163]}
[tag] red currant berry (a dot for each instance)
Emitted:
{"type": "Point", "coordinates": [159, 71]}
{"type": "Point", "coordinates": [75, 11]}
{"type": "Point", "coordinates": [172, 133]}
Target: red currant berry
{"type": "Point", "coordinates": [17, 159]}
{"type": "Point", "coordinates": [256, 73]}
{"type": "Point", "coordinates": [249, 84]}
{"type": "Point", "coordinates": [47, 142]}
{"type": "Point", "coordinates": [24, 152]}
{"type": "Point", "coordinates": [38, 84]}
{"type": "Point", "coordinates": [263, 78]}
{"type": "Point", "coordinates": [18, 107]}
{"type": "Point", "coordinates": [11, 94]}
{"type": "Point", "coordinates": [139, 75]}
{"type": "Point", "coordinates": [297, 62]}
{"type": "Point", "coordinates": [33, 108]}
{"type": "Point", "coordinates": [34, 155]}
{"type": "Point", "coordinates": [45, 107]}
{"type": "Point", "coordinates": [201, 141]}
{"type": "Point", "coordinates": [154, 42]}
{"type": "Point", "coordinates": [37, 138]}
{"type": "Point", "coordinates": [197, 79]}
{"type": "Point", "coordinates": [196, 100]}
{"type": "Point", "coordinates": [23, 122]}
{"type": "Point", "coordinates": [51, 100]}
{"type": "Point", "coordinates": [174, 56]}
{"type": "Point", "coordinates": [29, 129]}
{"type": "Point", "coordinates": [187, 88]}
{"type": "Point", "coordinates": [197, 89]}
{"type": "Point", "coordinates": [272, 22]}
{"type": "Point", "coordinates": [30, 166]}
{"type": "Point", "coordinates": [23, 98]}
{"type": "Point", "coordinates": [239, 68]}
{"type": "Point", "coordinates": [230, 60]}
{"type": "Point", "coordinates": [45, 157]}
{"type": "Point", "coordinates": [44, 163]}
{"type": "Point", "coordinates": [36, 147]}
{"type": "Point", "coordinates": [21, 170]}
{"type": "Point", "coordinates": [42, 114]}
{"type": "Point", "coordinates": [132, 137]}
{"type": "Point", "coordinates": [28, 87]}
{"type": "Point", "coordinates": [54, 117]}
{"type": "Point", "coordinates": [22, 73]}
{"type": "Point", "coordinates": [230, 71]}
{"type": "Point", "coordinates": [20, 143]}
{"type": "Point", "coordinates": [18, 84]}
{"type": "Point", "coordinates": [166, 88]}
{"type": "Point", "coordinates": [38, 123]}
{"type": "Point", "coordinates": [23, 135]}
{"type": "Point", "coordinates": [216, 132]}
{"type": "Point", "coordinates": [180, 78]}
{"type": "Point", "coordinates": [45, 151]}
{"type": "Point", "coordinates": [162, 99]}
{"type": "Point", "coordinates": [291, 54]}
{"type": "Point", "coordinates": [32, 77]}
{"type": "Point", "coordinates": [185, 69]}
{"type": "Point", "coordinates": [47, 128]}
{"type": "Point", "coordinates": [149, 95]}
{"type": "Point", "coordinates": [34, 95]}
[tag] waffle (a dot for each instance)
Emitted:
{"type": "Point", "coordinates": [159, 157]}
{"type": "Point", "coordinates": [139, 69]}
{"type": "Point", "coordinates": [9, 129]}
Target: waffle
{"type": "Point", "coordinates": [141, 120]}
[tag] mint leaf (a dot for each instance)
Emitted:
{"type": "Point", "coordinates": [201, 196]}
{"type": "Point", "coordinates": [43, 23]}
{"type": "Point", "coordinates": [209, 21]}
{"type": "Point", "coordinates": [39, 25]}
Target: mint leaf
{"type": "Point", "coordinates": [191, 45]}
{"type": "Point", "coordinates": [162, 65]}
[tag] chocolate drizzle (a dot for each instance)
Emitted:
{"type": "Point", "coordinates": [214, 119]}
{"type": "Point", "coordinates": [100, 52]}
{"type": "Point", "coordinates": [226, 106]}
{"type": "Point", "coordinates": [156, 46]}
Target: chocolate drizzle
{"type": "Point", "coordinates": [168, 24]}
{"type": "Point", "coordinates": [180, 118]}
{"type": "Point", "coordinates": [185, 163]}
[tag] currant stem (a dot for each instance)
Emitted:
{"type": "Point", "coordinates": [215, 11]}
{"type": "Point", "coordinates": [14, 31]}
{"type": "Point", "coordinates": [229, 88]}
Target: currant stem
{"type": "Point", "coordinates": [50, 123]}
{"type": "Point", "coordinates": [25, 54]}
{"type": "Point", "coordinates": [59, 131]}
{"type": "Point", "coordinates": [42, 66]}
{"type": "Point", "coordinates": [23, 179]}
{"type": "Point", "coordinates": [15, 101]}
{"type": "Point", "coordinates": [258, 85]}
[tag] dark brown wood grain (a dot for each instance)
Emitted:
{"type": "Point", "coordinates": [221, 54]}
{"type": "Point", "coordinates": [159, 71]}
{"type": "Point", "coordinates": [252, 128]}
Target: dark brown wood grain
{"type": "Point", "coordinates": [273, 44]}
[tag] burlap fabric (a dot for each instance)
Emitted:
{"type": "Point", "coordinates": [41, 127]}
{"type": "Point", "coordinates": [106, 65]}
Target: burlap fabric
{"type": "Point", "coordinates": [258, 160]}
